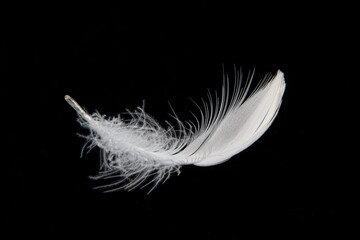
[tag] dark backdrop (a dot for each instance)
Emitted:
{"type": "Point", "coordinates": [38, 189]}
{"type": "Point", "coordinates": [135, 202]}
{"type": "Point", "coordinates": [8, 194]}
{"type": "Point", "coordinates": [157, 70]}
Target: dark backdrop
{"type": "Point", "coordinates": [296, 182]}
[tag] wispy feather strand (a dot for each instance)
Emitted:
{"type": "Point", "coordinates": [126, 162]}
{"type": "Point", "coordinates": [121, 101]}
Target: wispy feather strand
{"type": "Point", "coordinates": [140, 151]}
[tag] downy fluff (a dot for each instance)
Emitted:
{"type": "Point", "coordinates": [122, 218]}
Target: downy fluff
{"type": "Point", "coordinates": [139, 151]}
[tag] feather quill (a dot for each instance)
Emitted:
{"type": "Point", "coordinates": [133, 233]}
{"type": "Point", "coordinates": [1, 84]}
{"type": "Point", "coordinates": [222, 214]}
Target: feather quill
{"type": "Point", "coordinates": [140, 151]}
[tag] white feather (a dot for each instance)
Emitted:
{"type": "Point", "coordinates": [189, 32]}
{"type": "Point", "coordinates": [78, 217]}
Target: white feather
{"type": "Point", "coordinates": [139, 148]}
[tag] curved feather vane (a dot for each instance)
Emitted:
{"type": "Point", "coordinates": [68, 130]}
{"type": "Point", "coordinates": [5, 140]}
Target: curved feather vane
{"type": "Point", "coordinates": [139, 148]}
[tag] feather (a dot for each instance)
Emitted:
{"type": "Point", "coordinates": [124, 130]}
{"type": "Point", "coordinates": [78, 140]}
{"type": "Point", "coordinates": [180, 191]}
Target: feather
{"type": "Point", "coordinates": [140, 151]}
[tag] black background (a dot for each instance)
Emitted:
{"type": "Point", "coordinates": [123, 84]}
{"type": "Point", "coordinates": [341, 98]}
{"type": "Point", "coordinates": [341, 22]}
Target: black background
{"type": "Point", "coordinates": [296, 182]}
